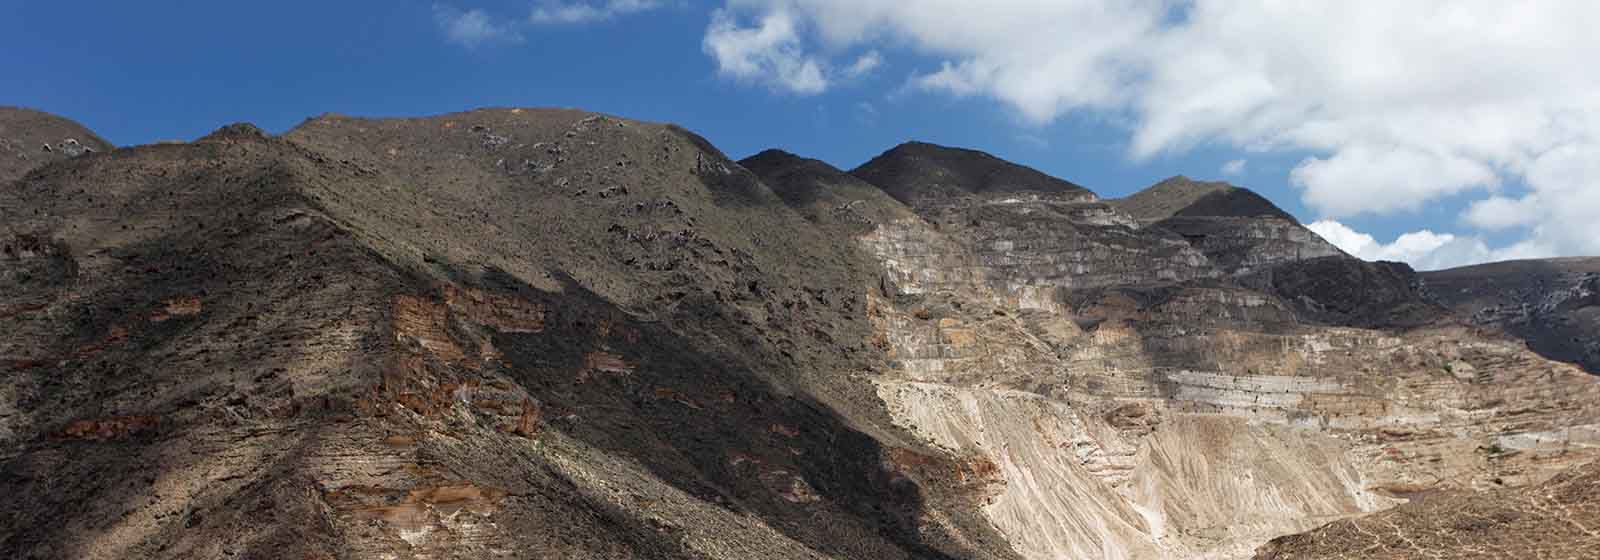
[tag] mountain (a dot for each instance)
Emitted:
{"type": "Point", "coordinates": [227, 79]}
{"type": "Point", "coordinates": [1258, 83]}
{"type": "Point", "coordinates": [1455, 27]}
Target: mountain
{"type": "Point", "coordinates": [918, 173]}
{"type": "Point", "coordinates": [504, 332]}
{"type": "Point", "coordinates": [1182, 196]}
{"type": "Point", "coordinates": [1235, 227]}
{"type": "Point", "coordinates": [823, 194]}
{"type": "Point", "coordinates": [1554, 304]}
{"type": "Point", "coordinates": [557, 334]}
{"type": "Point", "coordinates": [30, 139]}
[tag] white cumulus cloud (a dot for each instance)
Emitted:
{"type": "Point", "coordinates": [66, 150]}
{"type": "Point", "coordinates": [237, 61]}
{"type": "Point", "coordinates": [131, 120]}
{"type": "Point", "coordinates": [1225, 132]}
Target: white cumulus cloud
{"type": "Point", "coordinates": [768, 52]}
{"type": "Point", "coordinates": [865, 64]}
{"type": "Point", "coordinates": [1394, 106]}
{"type": "Point", "coordinates": [1234, 167]}
{"type": "Point", "coordinates": [1422, 249]}
{"type": "Point", "coordinates": [474, 27]}
{"type": "Point", "coordinates": [559, 12]}
{"type": "Point", "coordinates": [471, 28]}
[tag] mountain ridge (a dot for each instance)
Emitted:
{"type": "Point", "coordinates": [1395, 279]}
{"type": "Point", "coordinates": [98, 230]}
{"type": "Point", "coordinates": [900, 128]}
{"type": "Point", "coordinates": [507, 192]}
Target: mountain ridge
{"type": "Point", "coordinates": [552, 333]}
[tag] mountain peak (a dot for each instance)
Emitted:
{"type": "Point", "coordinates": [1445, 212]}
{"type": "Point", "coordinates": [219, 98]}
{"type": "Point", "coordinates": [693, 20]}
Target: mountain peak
{"type": "Point", "coordinates": [1181, 196]}
{"type": "Point", "coordinates": [31, 138]}
{"type": "Point", "coordinates": [918, 171]}
{"type": "Point", "coordinates": [235, 131]}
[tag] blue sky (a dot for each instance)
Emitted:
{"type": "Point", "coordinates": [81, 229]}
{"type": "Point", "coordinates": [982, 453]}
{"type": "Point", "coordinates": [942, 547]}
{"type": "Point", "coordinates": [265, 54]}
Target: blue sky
{"type": "Point", "coordinates": [753, 74]}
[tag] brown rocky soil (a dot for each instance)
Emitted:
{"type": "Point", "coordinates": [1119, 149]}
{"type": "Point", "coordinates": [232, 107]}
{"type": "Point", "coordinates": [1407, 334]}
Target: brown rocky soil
{"type": "Point", "coordinates": [1557, 519]}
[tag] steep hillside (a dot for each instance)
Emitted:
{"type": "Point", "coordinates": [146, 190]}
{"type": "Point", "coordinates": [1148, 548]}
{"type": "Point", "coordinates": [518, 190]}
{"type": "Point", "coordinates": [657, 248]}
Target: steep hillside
{"type": "Point", "coordinates": [518, 333]}
{"type": "Point", "coordinates": [30, 139]}
{"type": "Point", "coordinates": [531, 333]}
{"type": "Point", "coordinates": [823, 194]}
{"type": "Point", "coordinates": [1237, 229]}
{"type": "Point", "coordinates": [1553, 520]}
{"type": "Point", "coordinates": [1143, 409]}
{"type": "Point", "coordinates": [1341, 290]}
{"type": "Point", "coordinates": [1554, 304]}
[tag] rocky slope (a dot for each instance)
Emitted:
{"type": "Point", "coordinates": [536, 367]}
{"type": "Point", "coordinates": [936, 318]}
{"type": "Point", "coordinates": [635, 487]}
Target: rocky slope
{"type": "Point", "coordinates": [1554, 519]}
{"type": "Point", "coordinates": [1237, 229]}
{"type": "Point", "coordinates": [1554, 304]}
{"type": "Point", "coordinates": [30, 139]}
{"type": "Point", "coordinates": [505, 333]}
{"type": "Point", "coordinates": [531, 333]}
{"type": "Point", "coordinates": [1184, 406]}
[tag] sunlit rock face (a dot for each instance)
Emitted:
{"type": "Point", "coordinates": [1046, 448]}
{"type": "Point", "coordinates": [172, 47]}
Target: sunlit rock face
{"type": "Point", "coordinates": [1188, 372]}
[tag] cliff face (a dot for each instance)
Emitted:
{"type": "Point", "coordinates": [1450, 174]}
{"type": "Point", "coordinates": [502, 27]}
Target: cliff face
{"type": "Point", "coordinates": [555, 334]}
{"type": "Point", "coordinates": [1152, 395]}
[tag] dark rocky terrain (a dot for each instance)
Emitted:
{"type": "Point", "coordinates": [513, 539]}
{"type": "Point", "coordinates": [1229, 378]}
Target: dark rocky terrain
{"type": "Point", "coordinates": [1554, 304]}
{"type": "Point", "coordinates": [918, 173]}
{"type": "Point", "coordinates": [531, 333]}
